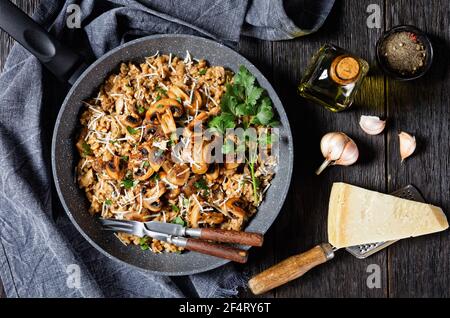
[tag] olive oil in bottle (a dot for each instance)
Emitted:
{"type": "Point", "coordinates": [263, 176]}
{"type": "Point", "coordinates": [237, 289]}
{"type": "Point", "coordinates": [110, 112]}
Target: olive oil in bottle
{"type": "Point", "coordinates": [333, 77]}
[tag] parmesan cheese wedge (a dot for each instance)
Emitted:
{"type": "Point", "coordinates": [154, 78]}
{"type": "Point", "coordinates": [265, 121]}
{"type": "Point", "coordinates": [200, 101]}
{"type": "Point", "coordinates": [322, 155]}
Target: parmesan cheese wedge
{"type": "Point", "coordinates": [359, 216]}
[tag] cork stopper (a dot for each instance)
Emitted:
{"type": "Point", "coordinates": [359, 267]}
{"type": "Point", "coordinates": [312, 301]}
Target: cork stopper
{"type": "Point", "coordinates": [344, 69]}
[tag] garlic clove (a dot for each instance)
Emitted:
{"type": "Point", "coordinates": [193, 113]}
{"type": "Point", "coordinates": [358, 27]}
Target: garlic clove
{"type": "Point", "coordinates": [372, 125]}
{"type": "Point", "coordinates": [338, 149]}
{"type": "Point", "coordinates": [407, 145]}
{"type": "Point", "coordinates": [332, 145]}
{"type": "Point", "coordinates": [350, 154]}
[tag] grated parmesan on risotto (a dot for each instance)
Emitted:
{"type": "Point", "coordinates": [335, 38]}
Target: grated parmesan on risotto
{"type": "Point", "coordinates": [132, 166]}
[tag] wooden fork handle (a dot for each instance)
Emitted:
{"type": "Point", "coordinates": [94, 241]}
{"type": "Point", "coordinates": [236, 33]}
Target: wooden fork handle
{"type": "Point", "coordinates": [290, 269]}
{"type": "Point", "coordinates": [230, 236]}
{"type": "Point", "coordinates": [222, 251]}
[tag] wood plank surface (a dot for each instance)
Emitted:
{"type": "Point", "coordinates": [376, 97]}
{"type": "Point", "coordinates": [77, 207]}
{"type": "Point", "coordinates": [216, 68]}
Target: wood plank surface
{"type": "Point", "coordinates": [418, 267]}
{"type": "Point", "coordinates": [306, 224]}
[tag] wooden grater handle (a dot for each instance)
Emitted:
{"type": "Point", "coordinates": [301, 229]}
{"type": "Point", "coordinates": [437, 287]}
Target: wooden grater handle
{"type": "Point", "coordinates": [290, 269]}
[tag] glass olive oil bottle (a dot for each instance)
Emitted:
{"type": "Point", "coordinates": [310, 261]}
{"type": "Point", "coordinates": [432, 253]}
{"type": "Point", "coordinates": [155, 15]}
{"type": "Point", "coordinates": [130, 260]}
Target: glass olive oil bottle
{"type": "Point", "coordinates": [333, 77]}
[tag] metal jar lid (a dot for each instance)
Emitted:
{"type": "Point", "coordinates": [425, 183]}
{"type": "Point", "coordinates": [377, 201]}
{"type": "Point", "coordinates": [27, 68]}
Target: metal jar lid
{"type": "Point", "coordinates": [344, 69]}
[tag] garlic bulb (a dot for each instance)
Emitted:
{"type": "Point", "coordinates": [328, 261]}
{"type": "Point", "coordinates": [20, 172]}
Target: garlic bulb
{"type": "Point", "coordinates": [372, 125]}
{"type": "Point", "coordinates": [338, 149]}
{"type": "Point", "coordinates": [407, 145]}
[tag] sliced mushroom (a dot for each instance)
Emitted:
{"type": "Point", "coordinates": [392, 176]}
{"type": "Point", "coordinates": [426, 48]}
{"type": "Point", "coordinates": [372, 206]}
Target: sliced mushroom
{"type": "Point", "coordinates": [198, 120]}
{"type": "Point", "coordinates": [167, 122]}
{"type": "Point", "coordinates": [173, 193]}
{"type": "Point", "coordinates": [189, 188]}
{"type": "Point", "coordinates": [154, 206]}
{"type": "Point", "coordinates": [142, 174]}
{"type": "Point", "coordinates": [231, 165]}
{"type": "Point", "coordinates": [196, 104]}
{"type": "Point", "coordinates": [156, 158]}
{"type": "Point", "coordinates": [153, 195]}
{"type": "Point", "coordinates": [213, 218]}
{"type": "Point", "coordinates": [178, 174]}
{"type": "Point", "coordinates": [161, 106]}
{"type": "Point", "coordinates": [213, 172]}
{"type": "Point", "coordinates": [231, 206]}
{"type": "Point", "coordinates": [194, 215]}
{"type": "Point", "coordinates": [132, 120]}
{"type": "Point", "coordinates": [177, 92]}
{"type": "Point", "coordinates": [115, 168]}
{"type": "Point", "coordinates": [199, 167]}
{"type": "Point", "coordinates": [166, 165]}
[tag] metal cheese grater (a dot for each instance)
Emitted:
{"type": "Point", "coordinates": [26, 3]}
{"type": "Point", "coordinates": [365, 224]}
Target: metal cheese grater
{"type": "Point", "coordinates": [362, 251]}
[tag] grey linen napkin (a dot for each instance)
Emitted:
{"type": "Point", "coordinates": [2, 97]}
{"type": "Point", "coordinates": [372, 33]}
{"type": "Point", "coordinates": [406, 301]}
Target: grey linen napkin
{"type": "Point", "coordinates": [40, 250]}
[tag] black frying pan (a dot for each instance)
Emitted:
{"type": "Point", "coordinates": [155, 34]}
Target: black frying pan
{"type": "Point", "coordinates": [68, 66]}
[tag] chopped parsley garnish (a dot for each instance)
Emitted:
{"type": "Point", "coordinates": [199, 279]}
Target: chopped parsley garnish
{"type": "Point", "coordinates": [143, 243]}
{"type": "Point", "coordinates": [124, 158]}
{"type": "Point", "coordinates": [140, 109]}
{"type": "Point", "coordinates": [162, 91]}
{"type": "Point", "coordinates": [146, 164]}
{"type": "Point", "coordinates": [158, 97]}
{"type": "Point", "coordinates": [159, 106]}
{"type": "Point", "coordinates": [179, 100]}
{"type": "Point", "coordinates": [202, 71]}
{"type": "Point", "coordinates": [108, 202]}
{"type": "Point", "coordinates": [87, 151]}
{"type": "Point", "coordinates": [175, 208]}
{"type": "Point", "coordinates": [156, 177]}
{"type": "Point", "coordinates": [201, 184]}
{"type": "Point", "coordinates": [131, 130]}
{"type": "Point", "coordinates": [128, 183]}
{"type": "Point", "coordinates": [178, 220]}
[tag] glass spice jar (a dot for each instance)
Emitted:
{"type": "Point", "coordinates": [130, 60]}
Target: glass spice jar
{"type": "Point", "coordinates": [333, 78]}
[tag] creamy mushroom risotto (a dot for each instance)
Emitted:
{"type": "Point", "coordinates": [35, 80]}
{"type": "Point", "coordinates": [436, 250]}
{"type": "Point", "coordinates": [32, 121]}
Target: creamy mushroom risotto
{"type": "Point", "coordinates": [143, 156]}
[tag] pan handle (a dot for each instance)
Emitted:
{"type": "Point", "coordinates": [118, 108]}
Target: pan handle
{"type": "Point", "coordinates": [60, 60]}
{"type": "Point", "coordinates": [290, 269]}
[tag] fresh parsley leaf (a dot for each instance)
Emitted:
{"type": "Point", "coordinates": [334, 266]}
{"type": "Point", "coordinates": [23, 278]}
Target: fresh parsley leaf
{"type": "Point", "coordinates": [108, 202]}
{"type": "Point", "coordinates": [158, 97]}
{"type": "Point", "coordinates": [222, 122]}
{"type": "Point", "coordinates": [131, 130]}
{"type": "Point", "coordinates": [265, 112]}
{"type": "Point", "coordinates": [156, 177]}
{"type": "Point", "coordinates": [202, 71]}
{"type": "Point", "coordinates": [228, 146]}
{"type": "Point", "coordinates": [159, 106]}
{"type": "Point", "coordinates": [175, 208]}
{"type": "Point", "coordinates": [146, 164]}
{"type": "Point", "coordinates": [124, 158]}
{"type": "Point", "coordinates": [87, 151]}
{"type": "Point", "coordinates": [179, 220]}
{"type": "Point", "coordinates": [201, 184]}
{"type": "Point", "coordinates": [128, 183]}
{"type": "Point", "coordinates": [179, 100]}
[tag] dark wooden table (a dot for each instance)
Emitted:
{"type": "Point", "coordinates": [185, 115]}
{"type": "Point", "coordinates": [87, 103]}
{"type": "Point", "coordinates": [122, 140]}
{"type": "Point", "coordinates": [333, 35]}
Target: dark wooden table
{"type": "Point", "coordinates": [418, 267]}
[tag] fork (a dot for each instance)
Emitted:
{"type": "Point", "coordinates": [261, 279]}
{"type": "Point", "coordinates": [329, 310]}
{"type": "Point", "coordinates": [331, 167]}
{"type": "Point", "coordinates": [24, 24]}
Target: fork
{"type": "Point", "coordinates": [197, 245]}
